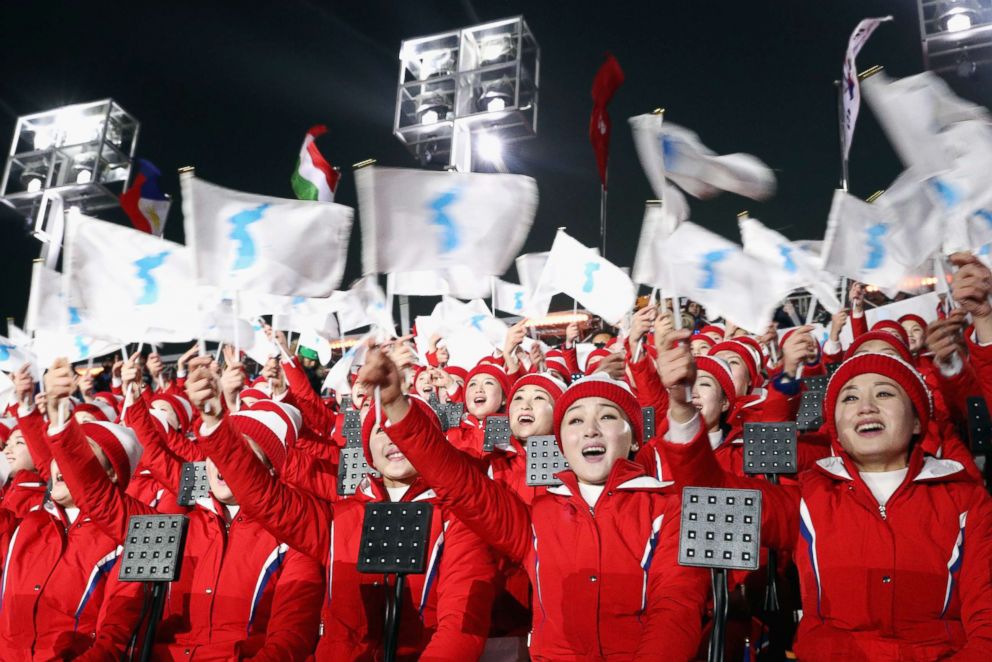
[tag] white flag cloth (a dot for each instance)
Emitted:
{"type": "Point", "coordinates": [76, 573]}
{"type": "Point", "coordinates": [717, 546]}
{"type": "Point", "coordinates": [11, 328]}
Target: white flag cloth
{"type": "Point", "coordinates": [578, 271]}
{"type": "Point", "coordinates": [789, 262]}
{"type": "Point", "coordinates": [509, 297]}
{"type": "Point", "coordinates": [851, 92]}
{"type": "Point", "coordinates": [914, 112]}
{"type": "Point", "coordinates": [291, 313]}
{"type": "Point", "coordinates": [962, 195]}
{"type": "Point", "coordinates": [469, 330]}
{"type": "Point", "coordinates": [415, 219]}
{"type": "Point", "coordinates": [456, 281]}
{"type": "Point", "coordinates": [363, 304]}
{"type": "Point", "coordinates": [718, 274]}
{"type": "Point", "coordinates": [337, 376]}
{"type": "Point", "coordinates": [318, 342]}
{"type": "Point", "coordinates": [129, 282]}
{"type": "Point", "coordinates": [12, 357]}
{"type": "Point", "coordinates": [530, 266]}
{"type": "Point", "coordinates": [885, 242]}
{"type": "Point", "coordinates": [677, 152]}
{"type": "Point", "coordinates": [242, 241]}
{"type": "Point", "coordinates": [660, 221]}
{"type": "Point", "coordinates": [47, 308]}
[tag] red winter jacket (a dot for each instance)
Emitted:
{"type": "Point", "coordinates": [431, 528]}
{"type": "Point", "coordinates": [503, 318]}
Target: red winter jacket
{"type": "Point", "coordinates": [59, 594]}
{"type": "Point", "coordinates": [445, 611]}
{"type": "Point", "coordinates": [23, 493]}
{"type": "Point", "coordinates": [908, 581]}
{"type": "Point", "coordinates": [606, 581]}
{"type": "Point", "coordinates": [241, 592]}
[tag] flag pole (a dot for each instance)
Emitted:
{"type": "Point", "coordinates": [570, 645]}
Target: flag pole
{"type": "Point", "coordinates": [602, 211]}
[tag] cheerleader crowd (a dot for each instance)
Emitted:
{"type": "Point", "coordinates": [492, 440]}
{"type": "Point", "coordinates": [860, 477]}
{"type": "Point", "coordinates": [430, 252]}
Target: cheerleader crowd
{"type": "Point", "coordinates": [883, 538]}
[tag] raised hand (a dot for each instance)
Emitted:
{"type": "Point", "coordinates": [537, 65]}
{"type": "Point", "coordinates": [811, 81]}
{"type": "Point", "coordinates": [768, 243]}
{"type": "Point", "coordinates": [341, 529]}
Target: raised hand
{"type": "Point", "coordinates": [677, 370]}
{"type": "Point", "coordinates": [203, 390]}
{"type": "Point", "coordinates": [59, 385]}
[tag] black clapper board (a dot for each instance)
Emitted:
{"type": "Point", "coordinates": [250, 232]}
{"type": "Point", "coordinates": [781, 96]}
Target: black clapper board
{"type": "Point", "coordinates": [810, 416]}
{"type": "Point", "coordinates": [351, 428]}
{"type": "Point", "coordinates": [720, 528]}
{"type": "Point", "coordinates": [497, 432]}
{"type": "Point", "coordinates": [544, 460]}
{"type": "Point", "coordinates": [454, 412]}
{"type": "Point", "coordinates": [153, 548]}
{"type": "Point", "coordinates": [440, 409]}
{"type": "Point", "coordinates": [352, 465]}
{"type": "Point", "coordinates": [345, 402]}
{"type": "Point", "coordinates": [979, 426]}
{"type": "Point", "coordinates": [395, 537]}
{"type": "Point", "coordinates": [648, 422]}
{"type": "Point", "coordinates": [193, 484]}
{"type": "Point", "coordinates": [770, 448]}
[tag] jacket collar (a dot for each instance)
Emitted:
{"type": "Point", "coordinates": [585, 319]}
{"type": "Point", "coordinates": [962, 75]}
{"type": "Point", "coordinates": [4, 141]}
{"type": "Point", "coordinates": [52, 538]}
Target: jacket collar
{"type": "Point", "coordinates": [371, 488]}
{"type": "Point", "coordinates": [625, 475]}
{"type": "Point", "coordinates": [923, 468]}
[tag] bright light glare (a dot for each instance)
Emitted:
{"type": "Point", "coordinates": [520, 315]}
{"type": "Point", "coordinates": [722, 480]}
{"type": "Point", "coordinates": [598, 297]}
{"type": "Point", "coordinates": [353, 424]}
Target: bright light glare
{"type": "Point", "coordinates": [496, 103]}
{"type": "Point", "coordinates": [958, 22]}
{"type": "Point", "coordinates": [493, 48]}
{"type": "Point", "coordinates": [34, 185]}
{"type": "Point", "coordinates": [84, 177]}
{"type": "Point", "coordinates": [429, 117]}
{"type": "Point", "coordinates": [490, 148]}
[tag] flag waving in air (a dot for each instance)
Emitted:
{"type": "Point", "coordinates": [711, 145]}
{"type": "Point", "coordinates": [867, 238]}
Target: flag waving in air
{"type": "Point", "coordinates": [242, 241]}
{"type": "Point", "coordinates": [608, 79]}
{"type": "Point", "coordinates": [314, 178]}
{"type": "Point", "coordinates": [850, 90]}
{"type": "Point", "coordinates": [144, 202]}
{"type": "Point", "coordinates": [595, 282]}
{"type": "Point", "coordinates": [670, 151]}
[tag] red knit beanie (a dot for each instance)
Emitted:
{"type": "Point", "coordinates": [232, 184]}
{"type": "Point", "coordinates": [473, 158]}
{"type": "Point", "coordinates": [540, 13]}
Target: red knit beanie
{"type": "Point", "coordinates": [119, 444]}
{"type": "Point", "coordinates": [255, 393]}
{"type": "Point", "coordinates": [267, 429]}
{"type": "Point", "coordinates": [712, 328]}
{"type": "Point", "coordinates": [455, 371]}
{"type": "Point", "coordinates": [756, 348]}
{"type": "Point", "coordinates": [493, 371]}
{"type": "Point", "coordinates": [885, 337]}
{"type": "Point", "coordinates": [288, 413]}
{"type": "Point", "coordinates": [702, 338]}
{"type": "Point", "coordinates": [721, 372]}
{"type": "Point", "coordinates": [895, 326]}
{"type": "Point", "coordinates": [898, 370]}
{"type": "Point", "coordinates": [555, 360]}
{"type": "Point", "coordinates": [554, 386]}
{"type": "Point", "coordinates": [601, 385]}
{"type": "Point", "coordinates": [99, 413]}
{"type": "Point", "coordinates": [746, 355]}
{"type": "Point", "coordinates": [180, 405]}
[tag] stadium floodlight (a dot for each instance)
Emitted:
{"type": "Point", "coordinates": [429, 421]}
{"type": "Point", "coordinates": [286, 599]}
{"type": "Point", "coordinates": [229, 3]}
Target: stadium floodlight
{"type": "Point", "coordinates": [956, 35]}
{"type": "Point", "coordinates": [456, 85]}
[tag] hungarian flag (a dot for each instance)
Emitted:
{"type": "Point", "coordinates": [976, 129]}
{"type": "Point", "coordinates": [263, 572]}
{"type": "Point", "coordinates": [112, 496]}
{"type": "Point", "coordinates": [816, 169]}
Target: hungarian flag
{"type": "Point", "coordinates": [604, 86]}
{"type": "Point", "coordinates": [144, 202]}
{"type": "Point", "coordinates": [314, 178]}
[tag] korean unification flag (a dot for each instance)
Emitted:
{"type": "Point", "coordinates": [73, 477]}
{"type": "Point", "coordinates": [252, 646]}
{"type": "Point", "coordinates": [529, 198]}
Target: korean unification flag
{"type": "Point", "coordinates": [670, 151]}
{"type": "Point", "coordinates": [718, 273]}
{"type": "Point", "coordinates": [415, 219]}
{"type": "Point", "coordinates": [469, 330]}
{"type": "Point", "coordinates": [578, 271]}
{"type": "Point", "coordinates": [530, 266]}
{"type": "Point", "coordinates": [242, 241]}
{"type": "Point", "coordinates": [885, 242]}
{"type": "Point", "coordinates": [12, 357]}
{"type": "Point", "coordinates": [364, 304]}
{"type": "Point", "coordinates": [962, 196]}
{"type": "Point", "coordinates": [789, 262]}
{"type": "Point", "coordinates": [509, 297]}
{"type": "Point", "coordinates": [660, 220]}
{"type": "Point", "coordinates": [130, 283]}
{"type": "Point", "coordinates": [457, 281]}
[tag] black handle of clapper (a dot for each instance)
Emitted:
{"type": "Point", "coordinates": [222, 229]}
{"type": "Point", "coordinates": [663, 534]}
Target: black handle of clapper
{"type": "Point", "coordinates": [718, 577]}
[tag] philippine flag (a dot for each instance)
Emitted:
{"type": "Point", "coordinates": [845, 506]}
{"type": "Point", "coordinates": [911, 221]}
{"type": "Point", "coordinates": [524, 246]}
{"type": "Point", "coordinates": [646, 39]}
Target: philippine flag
{"type": "Point", "coordinates": [144, 202]}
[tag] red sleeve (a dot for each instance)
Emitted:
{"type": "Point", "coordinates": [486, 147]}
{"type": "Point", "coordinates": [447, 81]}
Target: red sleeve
{"type": "Point", "coordinates": [981, 361]}
{"type": "Point", "coordinates": [311, 474]}
{"type": "Point", "coordinates": [571, 358]}
{"type": "Point", "coordinates": [89, 485]}
{"type": "Point", "coordinates": [166, 467]}
{"type": "Point", "coordinates": [432, 359]}
{"type": "Point", "coordinates": [778, 406]}
{"type": "Point", "coordinates": [650, 391]}
{"type": "Point", "coordinates": [315, 415]}
{"type": "Point", "coordinates": [490, 509]}
{"type": "Point", "coordinates": [859, 325]}
{"type": "Point", "coordinates": [957, 389]}
{"type": "Point", "coordinates": [318, 447]}
{"type": "Point", "coordinates": [298, 519]}
{"type": "Point", "coordinates": [695, 464]}
{"type": "Point", "coordinates": [291, 633]}
{"type": "Point", "coordinates": [33, 428]}
{"type": "Point", "coordinates": [120, 610]}
{"type": "Point", "coordinates": [975, 582]}
{"type": "Point", "coordinates": [671, 624]}
{"type": "Point", "coordinates": [465, 591]}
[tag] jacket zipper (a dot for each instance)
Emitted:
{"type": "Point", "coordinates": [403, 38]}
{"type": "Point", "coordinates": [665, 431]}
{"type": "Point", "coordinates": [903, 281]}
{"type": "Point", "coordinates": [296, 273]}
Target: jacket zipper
{"type": "Point", "coordinates": [881, 511]}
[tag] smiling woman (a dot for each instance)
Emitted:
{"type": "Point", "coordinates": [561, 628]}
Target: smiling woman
{"type": "Point", "coordinates": [877, 529]}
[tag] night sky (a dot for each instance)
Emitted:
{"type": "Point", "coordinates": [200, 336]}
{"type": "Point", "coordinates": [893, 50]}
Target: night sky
{"type": "Point", "coordinates": [232, 87]}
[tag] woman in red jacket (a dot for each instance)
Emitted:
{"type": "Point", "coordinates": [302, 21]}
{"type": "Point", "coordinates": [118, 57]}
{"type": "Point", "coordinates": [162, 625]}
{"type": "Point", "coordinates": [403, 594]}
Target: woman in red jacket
{"type": "Point", "coordinates": [241, 592]}
{"type": "Point", "coordinates": [59, 593]}
{"type": "Point", "coordinates": [21, 486]}
{"type": "Point", "coordinates": [892, 546]}
{"type": "Point", "coordinates": [600, 550]}
{"type": "Point", "coordinates": [445, 611]}
{"type": "Point", "coordinates": [486, 390]}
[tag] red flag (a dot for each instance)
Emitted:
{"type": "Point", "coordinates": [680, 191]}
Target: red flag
{"type": "Point", "coordinates": [604, 86]}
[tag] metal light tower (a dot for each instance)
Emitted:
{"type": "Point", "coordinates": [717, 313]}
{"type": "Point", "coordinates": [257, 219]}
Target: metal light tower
{"type": "Point", "coordinates": [956, 35]}
{"type": "Point", "coordinates": [74, 157]}
{"type": "Point", "coordinates": [462, 94]}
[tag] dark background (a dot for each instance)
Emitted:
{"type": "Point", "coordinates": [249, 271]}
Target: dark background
{"type": "Point", "coordinates": [231, 88]}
